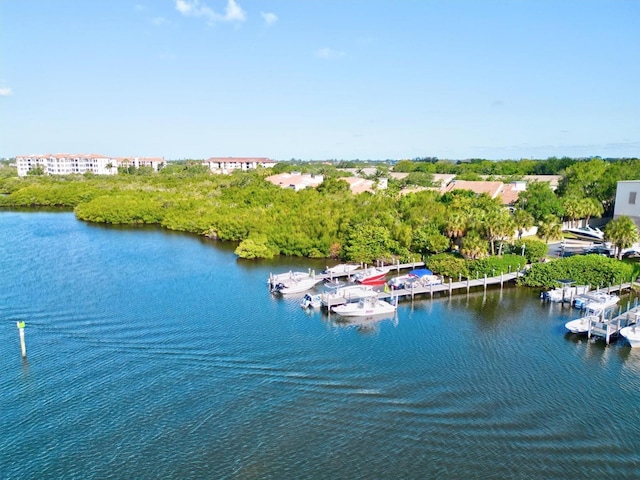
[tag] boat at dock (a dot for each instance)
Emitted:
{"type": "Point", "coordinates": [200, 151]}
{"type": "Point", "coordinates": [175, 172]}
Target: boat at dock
{"type": "Point", "coordinates": [632, 333]}
{"type": "Point", "coordinates": [296, 285]}
{"type": "Point", "coordinates": [595, 313]}
{"type": "Point", "coordinates": [341, 269]}
{"type": "Point", "coordinates": [286, 276]}
{"type": "Point", "coordinates": [595, 300]}
{"type": "Point", "coordinates": [565, 293]}
{"type": "Point", "coordinates": [416, 277]}
{"type": "Point", "coordinates": [581, 325]}
{"type": "Point", "coordinates": [372, 275]}
{"type": "Point", "coordinates": [347, 294]}
{"type": "Point", "coordinates": [311, 301]}
{"type": "Point", "coordinates": [364, 308]}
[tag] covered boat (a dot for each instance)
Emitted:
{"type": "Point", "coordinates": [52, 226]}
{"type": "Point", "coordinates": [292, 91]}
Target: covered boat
{"type": "Point", "coordinates": [372, 275]}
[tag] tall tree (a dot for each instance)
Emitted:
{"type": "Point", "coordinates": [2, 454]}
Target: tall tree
{"type": "Point", "coordinates": [523, 221]}
{"type": "Point", "coordinates": [474, 246]}
{"type": "Point", "coordinates": [549, 228]}
{"type": "Point", "coordinates": [622, 232]}
{"type": "Point", "coordinates": [539, 200]}
{"type": "Point", "coordinates": [455, 226]}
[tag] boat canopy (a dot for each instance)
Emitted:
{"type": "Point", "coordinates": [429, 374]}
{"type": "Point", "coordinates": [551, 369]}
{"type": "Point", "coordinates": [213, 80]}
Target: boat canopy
{"type": "Point", "coordinates": [420, 272]}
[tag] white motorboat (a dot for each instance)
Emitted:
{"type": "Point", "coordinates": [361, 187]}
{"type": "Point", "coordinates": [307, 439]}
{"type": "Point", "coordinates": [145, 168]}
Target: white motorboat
{"type": "Point", "coordinates": [581, 325]}
{"type": "Point", "coordinates": [565, 293]}
{"type": "Point", "coordinates": [349, 293]}
{"type": "Point", "coordinates": [341, 269]}
{"type": "Point", "coordinates": [311, 301]}
{"type": "Point", "coordinates": [594, 313]}
{"type": "Point", "coordinates": [295, 285]}
{"type": "Point", "coordinates": [365, 308]}
{"type": "Point", "coordinates": [587, 232]}
{"type": "Point", "coordinates": [419, 276]}
{"type": "Point", "coordinates": [273, 280]}
{"type": "Point", "coordinates": [596, 301]}
{"type": "Point", "coordinates": [632, 334]}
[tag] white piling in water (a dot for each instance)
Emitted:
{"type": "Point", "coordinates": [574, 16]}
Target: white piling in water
{"type": "Point", "coordinates": [23, 346]}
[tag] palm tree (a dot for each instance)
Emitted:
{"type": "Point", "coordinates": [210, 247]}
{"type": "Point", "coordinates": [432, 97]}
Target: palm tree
{"type": "Point", "coordinates": [455, 226]}
{"type": "Point", "coordinates": [622, 232]}
{"type": "Point", "coordinates": [592, 208]}
{"type": "Point", "coordinates": [497, 225]}
{"type": "Point", "coordinates": [573, 208]}
{"type": "Point", "coordinates": [474, 246]}
{"type": "Point", "coordinates": [523, 221]}
{"type": "Point", "coordinates": [549, 228]}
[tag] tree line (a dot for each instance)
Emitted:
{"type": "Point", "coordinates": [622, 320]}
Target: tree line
{"type": "Point", "coordinates": [330, 222]}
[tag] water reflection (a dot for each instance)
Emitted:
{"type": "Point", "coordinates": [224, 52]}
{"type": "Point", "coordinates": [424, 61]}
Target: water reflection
{"type": "Point", "coordinates": [369, 324]}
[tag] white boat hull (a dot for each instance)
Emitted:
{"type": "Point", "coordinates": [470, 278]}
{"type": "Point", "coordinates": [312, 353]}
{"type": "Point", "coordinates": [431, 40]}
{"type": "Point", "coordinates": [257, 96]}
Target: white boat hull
{"type": "Point", "coordinates": [580, 325]}
{"type": "Point", "coordinates": [632, 334]}
{"type": "Point", "coordinates": [350, 293]}
{"type": "Point", "coordinates": [365, 308]}
{"type": "Point", "coordinates": [341, 269]}
{"type": "Point", "coordinates": [296, 286]}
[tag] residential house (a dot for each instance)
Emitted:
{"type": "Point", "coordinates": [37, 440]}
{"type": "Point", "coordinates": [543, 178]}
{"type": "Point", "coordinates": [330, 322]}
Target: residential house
{"type": "Point", "coordinates": [295, 181]}
{"type": "Point", "coordinates": [508, 193]}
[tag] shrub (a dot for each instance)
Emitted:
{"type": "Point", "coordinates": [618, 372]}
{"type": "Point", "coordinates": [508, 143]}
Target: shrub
{"type": "Point", "coordinates": [448, 265]}
{"type": "Point", "coordinates": [593, 270]}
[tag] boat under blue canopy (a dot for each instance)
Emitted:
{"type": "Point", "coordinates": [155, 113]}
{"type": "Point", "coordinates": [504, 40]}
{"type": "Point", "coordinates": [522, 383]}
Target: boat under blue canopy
{"type": "Point", "coordinates": [420, 272]}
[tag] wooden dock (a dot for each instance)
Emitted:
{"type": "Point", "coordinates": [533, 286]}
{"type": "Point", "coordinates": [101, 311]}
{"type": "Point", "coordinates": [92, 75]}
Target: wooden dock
{"type": "Point", "coordinates": [450, 288]}
{"type": "Point", "coordinates": [608, 328]}
{"type": "Point", "coordinates": [397, 267]}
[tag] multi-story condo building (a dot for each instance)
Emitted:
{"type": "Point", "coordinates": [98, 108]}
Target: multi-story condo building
{"type": "Point", "coordinates": [64, 163]}
{"type": "Point", "coordinates": [229, 164]}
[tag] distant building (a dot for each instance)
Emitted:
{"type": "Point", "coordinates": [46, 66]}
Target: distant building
{"type": "Point", "coordinates": [79, 163]}
{"type": "Point", "coordinates": [361, 185]}
{"type": "Point", "coordinates": [156, 163]}
{"type": "Point", "coordinates": [628, 200]}
{"type": "Point", "coordinates": [507, 193]}
{"type": "Point", "coordinates": [295, 181]}
{"type": "Point", "coordinates": [229, 164]}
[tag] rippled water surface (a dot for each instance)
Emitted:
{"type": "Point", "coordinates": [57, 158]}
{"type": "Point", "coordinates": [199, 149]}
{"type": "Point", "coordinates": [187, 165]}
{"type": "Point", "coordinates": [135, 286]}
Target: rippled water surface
{"type": "Point", "coordinates": [160, 355]}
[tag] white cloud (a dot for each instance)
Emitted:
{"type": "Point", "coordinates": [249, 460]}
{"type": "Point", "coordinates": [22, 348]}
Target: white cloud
{"type": "Point", "coordinates": [195, 8]}
{"type": "Point", "coordinates": [329, 54]}
{"type": "Point", "coordinates": [269, 18]}
{"type": "Point", "coordinates": [5, 92]}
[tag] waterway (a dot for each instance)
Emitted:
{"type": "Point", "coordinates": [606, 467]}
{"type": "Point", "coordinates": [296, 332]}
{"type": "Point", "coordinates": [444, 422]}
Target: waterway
{"type": "Point", "coordinates": [152, 354]}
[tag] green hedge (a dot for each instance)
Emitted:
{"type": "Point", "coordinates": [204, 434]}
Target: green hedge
{"type": "Point", "coordinates": [593, 270]}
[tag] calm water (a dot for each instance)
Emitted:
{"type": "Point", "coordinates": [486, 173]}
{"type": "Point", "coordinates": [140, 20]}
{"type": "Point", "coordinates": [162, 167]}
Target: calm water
{"type": "Point", "coordinates": [158, 355]}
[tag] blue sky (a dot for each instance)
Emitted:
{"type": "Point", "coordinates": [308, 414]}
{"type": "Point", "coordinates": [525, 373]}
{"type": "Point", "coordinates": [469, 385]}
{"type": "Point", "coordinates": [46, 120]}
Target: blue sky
{"type": "Point", "coordinates": [321, 79]}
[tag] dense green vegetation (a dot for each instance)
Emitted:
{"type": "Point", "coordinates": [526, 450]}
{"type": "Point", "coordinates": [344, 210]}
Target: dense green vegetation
{"type": "Point", "coordinates": [329, 221]}
{"type": "Point", "coordinates": [593, 270]}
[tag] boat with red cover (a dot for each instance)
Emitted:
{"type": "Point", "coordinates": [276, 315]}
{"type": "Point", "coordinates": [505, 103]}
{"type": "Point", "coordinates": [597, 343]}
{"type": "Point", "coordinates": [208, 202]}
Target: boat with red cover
{"type": "Point", "coordinates": [371, 276]}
